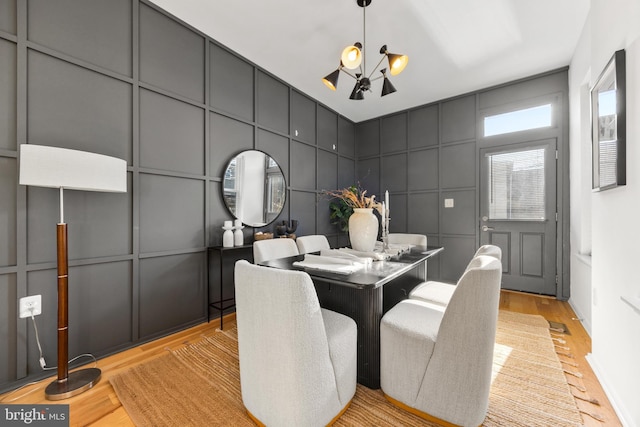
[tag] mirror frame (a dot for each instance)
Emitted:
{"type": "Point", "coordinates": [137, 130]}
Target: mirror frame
{"type": "Point", "coordinates": [614, 74]}
{"type": "Point", "coordinates": [284, 183]}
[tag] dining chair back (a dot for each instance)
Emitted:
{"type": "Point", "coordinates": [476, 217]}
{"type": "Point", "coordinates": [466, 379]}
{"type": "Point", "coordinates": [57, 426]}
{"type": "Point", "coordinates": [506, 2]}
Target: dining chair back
{"type": "Point", "coordinates": [436, 360]}
{"type": "Point", "coordinates": [298, 361]}
{"type": "Point", "coordinates": [312, 243]}
{"type": "Point", "coordinates": [265, 250]}
{"type": "Point", "coordinates": [408, 238]}
{"type": "Point", "coordinates": [438, 292]}
{"type": "Point", "coordinates": [491, 250]}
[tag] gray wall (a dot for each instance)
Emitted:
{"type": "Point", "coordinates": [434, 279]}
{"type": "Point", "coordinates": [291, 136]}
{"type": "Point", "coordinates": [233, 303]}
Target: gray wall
{"type": "Point", "coordinates": [121, 78]}
{"type": "Point", "coordinates": [422, 156]}
{"type": "Point", "coordinates": [430, 153]}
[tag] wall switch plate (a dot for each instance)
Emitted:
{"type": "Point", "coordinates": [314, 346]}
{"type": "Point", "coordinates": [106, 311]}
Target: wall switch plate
{"type": "Point", "coordinates": [448, 203]}
{"type": "Point", "coordinates": [30, 306]}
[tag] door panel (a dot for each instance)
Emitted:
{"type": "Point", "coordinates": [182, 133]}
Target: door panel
{"type": "Point", "coordinates": [532, 244]}
{"type": "Point", "coordinates": [518, 212]}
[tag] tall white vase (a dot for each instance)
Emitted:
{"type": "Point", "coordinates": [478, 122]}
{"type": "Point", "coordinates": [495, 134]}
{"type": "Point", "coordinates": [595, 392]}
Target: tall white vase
{"type": "Point", "coordinates": [363, 229]}
{"type": "Point", "coordinates": [238, 237]}
{"type": "Point", "coordinates": [227, 238]}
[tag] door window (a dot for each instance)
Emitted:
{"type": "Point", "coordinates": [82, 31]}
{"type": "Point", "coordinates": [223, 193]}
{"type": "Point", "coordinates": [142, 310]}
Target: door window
{"type": "Point", "coordinates": [517, 185]}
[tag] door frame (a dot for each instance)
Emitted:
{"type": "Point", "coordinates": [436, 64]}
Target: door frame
{"type": "Point", "coordinates": [559, 129]}
{"type": "Point", "coordinates": [521, 227]}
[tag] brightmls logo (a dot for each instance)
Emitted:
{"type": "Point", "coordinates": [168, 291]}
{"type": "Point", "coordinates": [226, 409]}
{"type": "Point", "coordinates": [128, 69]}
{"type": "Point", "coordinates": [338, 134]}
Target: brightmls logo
{"type": "Point", "coordinates": [35, 415]}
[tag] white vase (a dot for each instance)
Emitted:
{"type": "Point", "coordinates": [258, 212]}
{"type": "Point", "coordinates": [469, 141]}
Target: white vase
{"type": "Point", "coordinates": [227, 239]}
{"type": "Point", "coordinates": [363, 229]}
{"type": "Point", "coordinates": [238, 237]}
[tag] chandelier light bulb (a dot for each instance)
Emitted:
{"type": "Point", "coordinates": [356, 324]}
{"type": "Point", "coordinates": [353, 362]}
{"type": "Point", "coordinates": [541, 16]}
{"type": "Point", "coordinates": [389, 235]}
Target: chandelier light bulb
{"type": "Point", "coordinates": [397, 63]}
{"type": "Point", "coordinates": [352, 56]}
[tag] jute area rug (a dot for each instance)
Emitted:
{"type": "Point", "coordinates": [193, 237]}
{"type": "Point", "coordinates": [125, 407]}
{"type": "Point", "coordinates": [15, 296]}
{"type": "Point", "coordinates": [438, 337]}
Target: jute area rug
{"type": "Point", "coordinates": [199, 385]}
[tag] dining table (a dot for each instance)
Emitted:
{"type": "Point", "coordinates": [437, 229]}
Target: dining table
{"type": "Point", "coordinates": [365, 295]}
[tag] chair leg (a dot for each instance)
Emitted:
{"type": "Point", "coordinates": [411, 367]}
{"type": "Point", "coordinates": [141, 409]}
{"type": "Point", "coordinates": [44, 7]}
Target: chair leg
{"type": "Point", "coordinates": [421, 414]}
{"type": "Point", "coordinates": [340, 413]}
{"type": "Point", "coordinates": [255, 420]}
{"type": "Point", "coordinates": [260, 424]}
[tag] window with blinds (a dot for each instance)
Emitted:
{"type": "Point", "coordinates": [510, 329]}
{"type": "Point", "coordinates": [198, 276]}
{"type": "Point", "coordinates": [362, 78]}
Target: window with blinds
{"type": "Point", "coordinates": [516, 185]}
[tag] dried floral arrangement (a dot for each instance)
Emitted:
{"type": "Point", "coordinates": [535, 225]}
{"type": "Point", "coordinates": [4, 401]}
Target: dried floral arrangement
{"type": "Point", "coordinates": [353, 196]}
{"type": "Point", "coordinates": [349, 198]}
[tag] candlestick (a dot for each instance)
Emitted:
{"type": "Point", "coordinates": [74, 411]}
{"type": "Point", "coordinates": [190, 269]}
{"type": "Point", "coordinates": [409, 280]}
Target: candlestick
{"type": "Point", "coordinates": [385, 226]}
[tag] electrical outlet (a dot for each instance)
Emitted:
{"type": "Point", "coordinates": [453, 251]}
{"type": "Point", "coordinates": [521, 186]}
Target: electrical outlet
{"type": "Point", "coordinates": [30, 306]}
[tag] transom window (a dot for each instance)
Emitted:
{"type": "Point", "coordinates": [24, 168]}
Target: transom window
{"type": "Point", "coordinates": [519, 120]}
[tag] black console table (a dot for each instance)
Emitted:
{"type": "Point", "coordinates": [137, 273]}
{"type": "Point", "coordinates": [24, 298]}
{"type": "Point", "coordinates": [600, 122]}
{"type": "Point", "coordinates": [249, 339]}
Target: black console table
{"type": "Point", "coordinates": [221, 262]}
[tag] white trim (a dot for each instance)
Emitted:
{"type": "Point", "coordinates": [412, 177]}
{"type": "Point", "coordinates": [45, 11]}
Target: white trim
{"type": "Point", "coordinates": [586, 259]}
{"type": "Point", "coordinates": [586, 323]}
{"type": "Point", "coordinates": [623, 414]}
{"type": "Point", "coordinates": [633, 301]}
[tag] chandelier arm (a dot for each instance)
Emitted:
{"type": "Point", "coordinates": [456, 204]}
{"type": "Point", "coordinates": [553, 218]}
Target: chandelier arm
{"type": "Point", "coordinates": [376, 78]}
{"type": "Point", "coordinates": [349, 74]}
{"type": "Point", "coordinates": [377, 65]}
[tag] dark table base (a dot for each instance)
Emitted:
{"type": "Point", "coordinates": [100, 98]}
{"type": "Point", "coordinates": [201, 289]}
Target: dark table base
{"type": "Point", "coordinates": [366, 307]}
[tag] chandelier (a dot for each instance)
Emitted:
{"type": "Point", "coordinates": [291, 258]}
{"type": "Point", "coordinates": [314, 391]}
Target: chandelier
{"type": "Point", "coordinates": [353, 58]}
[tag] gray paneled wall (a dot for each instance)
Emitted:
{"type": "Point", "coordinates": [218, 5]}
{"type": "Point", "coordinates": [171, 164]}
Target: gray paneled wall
{"type": "Point", "coordinates": [122, 78]}
{"type": "Point", "coordinates": [422, 156]}
{"type": "Point", "coordinates": [430, 153]}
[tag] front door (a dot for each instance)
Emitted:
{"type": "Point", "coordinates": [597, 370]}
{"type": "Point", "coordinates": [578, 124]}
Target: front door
{"type": "Point", "coordinates": [518, 212]}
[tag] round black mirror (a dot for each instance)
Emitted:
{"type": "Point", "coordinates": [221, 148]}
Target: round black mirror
{"type": "Point", "coordinates": [253, 188]}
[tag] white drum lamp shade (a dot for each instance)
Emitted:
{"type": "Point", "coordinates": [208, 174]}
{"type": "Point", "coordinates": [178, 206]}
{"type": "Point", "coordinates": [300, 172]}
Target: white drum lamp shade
{"type": "Point", "coordinates": [54, 167]}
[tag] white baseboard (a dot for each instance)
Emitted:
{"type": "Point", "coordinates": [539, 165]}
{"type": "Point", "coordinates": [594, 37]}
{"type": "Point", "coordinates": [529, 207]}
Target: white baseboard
{"type": "Point", "coordinates": [621, 411]}
{"type": "Point", "coordinates": [586, 323]}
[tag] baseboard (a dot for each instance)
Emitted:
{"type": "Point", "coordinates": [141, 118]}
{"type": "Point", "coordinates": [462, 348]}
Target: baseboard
{"type": "Point", "coordinates": [623, 414]}
{"type": "Point", "coordinates": [586, 323]}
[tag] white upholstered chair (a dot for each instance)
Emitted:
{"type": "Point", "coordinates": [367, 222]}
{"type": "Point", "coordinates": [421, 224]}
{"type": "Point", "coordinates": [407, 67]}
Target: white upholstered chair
{"type": "Point", "coordinates": [436, 361]}
{"type": "Point", "coordinates": [440, 292]}
{"type": "Point", "coordinates": [408, 238]}
{"type": "Point", "coordinates": [313, 243]}
{"type": "Point", "coordinates": [297, 360]}
{"type": "Point", "coordinates": [491, 250]}
{"type": "Point", "coordinates": [265, 250]}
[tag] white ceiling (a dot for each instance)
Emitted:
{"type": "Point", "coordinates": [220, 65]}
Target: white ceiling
{"type": "Point", "coordinates": [454, 46]}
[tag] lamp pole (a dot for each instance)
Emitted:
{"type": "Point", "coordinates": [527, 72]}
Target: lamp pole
{"type": "Point", "coordinates": [66, 385]}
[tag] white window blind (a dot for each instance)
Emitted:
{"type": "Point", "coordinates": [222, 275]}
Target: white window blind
{"type": "Point", "coordinates": [516, 185]}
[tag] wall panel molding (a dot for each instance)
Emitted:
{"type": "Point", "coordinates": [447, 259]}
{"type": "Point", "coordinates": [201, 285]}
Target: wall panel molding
{"type": "Point", "coordinates": [125, 78]}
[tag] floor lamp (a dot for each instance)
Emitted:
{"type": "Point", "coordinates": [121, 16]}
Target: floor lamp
{"type": "Point", "coordinates": [43, 166]}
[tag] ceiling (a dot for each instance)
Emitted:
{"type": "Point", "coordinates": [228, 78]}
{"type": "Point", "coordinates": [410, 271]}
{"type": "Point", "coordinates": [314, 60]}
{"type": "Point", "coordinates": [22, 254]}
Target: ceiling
{"type": "Point", "coordinates": [454, 46]}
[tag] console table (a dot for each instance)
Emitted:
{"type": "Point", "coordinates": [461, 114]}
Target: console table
{"type": "Point", "coordinates": [220, 267]}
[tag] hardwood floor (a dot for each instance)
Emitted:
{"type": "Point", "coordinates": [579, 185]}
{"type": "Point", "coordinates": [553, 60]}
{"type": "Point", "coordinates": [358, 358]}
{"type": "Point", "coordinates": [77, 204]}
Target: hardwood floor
{"type": "Point", "coordinates": [100, 406]}
{"type": "Point", "coordinates": [578, 345]}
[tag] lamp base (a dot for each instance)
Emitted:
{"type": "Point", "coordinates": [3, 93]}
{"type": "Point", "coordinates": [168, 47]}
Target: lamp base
{"type": "Point", "coordinates": [76, 383]}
